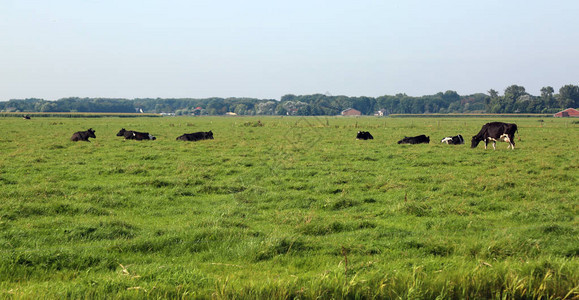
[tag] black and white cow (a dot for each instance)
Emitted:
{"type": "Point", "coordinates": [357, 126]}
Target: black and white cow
{"type": "Point", "coordinates": [495, 131]}
{"type": "Point", "coordinates": [139, 136]}
{"type": "Point", "coordinates": [421, 139]}
{"type": "Point", "coordinates": [196, 136]}
{"type": "Point", "coordinates": [134, 135]}
{"type": "Point", "coordinates": [453, 140]}
{"type": "Point", "coordinates": [83, 135]}
{"type": "Point", "coordinates": [364, 135]}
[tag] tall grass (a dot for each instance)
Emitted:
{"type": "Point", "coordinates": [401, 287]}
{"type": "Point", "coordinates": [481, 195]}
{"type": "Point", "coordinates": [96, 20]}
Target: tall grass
{"type": "Point", "coordinates": [292, 208]}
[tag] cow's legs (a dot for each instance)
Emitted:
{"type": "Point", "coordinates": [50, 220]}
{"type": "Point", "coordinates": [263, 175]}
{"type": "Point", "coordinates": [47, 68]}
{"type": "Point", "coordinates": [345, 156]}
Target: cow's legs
{"type": "Point", "coordinates": [494, 145]}
{"type": "Point", "coordinates": [486, 143]}
{"type": "Point", "coordinates": [508, 140]}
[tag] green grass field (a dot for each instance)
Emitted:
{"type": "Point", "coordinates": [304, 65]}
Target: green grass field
{"type": "Point", "coordinates": [296, 208]}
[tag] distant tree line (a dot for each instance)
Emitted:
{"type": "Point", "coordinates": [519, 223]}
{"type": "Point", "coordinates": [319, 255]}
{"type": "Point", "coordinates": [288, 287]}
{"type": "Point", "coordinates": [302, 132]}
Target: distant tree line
{"type": "Point", "coordinates": [514, 100]}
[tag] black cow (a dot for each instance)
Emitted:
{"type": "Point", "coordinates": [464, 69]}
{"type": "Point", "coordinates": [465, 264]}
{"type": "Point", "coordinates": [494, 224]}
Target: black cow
{"type": "Point", "coordinates": [143, 136]}
{"type": "Point", "coordinates": [125, 133]}
{"type": "Point", "coordinates": [26, 117]}
{"type": "Point", "coordinates": [364, 135]}
{"type": "Point", "coordinates": [453, 140]}
{"type": "Point", "coordinates": [134, 135]}
{"type": "Point", "coordinates": [196, 136]}
{"type": "Point", "coordinates": [421, 139]}
{"type": "Point", "coordinates": [495, 131]}
{"type": "Point", "coordinates": [83, 135]}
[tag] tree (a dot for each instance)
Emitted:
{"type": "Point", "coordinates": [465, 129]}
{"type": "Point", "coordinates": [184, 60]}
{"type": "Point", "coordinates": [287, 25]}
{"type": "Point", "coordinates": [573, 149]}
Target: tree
{"type": "Point", "coordinates": [364, 105]}
{"type": "Point", "coordinates": [547, 91]}
{"type": "Point", "coordinates": [524, 103]}
{"type": "Point", "coordinates": [450, 96]}
{"type": "Point", "coordinates": [265, 108]}
{"type": "Point", "coordinates": [512, 94]}
{"type": "Point", "coordinates": [280, 110]}
{"type": "Point", "coordinates": [454, 107]}
{"type": "Point", "coordinates": [288, 97]}
{"type": "Point", "coordinates": [217, 107]}
{"type": "Point", "coordinates": [568, 96]}
{"type": "Point", "coordinates": [491, 103]}
{"type": "Point", "coordinates": [546, 100]}
{"type": "Point", "coordinates": [240, 109]}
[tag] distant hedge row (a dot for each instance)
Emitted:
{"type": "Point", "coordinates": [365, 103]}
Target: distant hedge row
{"type": "Point", "coordinates": [137, 115]}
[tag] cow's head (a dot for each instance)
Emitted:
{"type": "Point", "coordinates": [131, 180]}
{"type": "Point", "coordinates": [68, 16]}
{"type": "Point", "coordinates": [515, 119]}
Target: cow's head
{"type": "Point", "coordinates": [209, 135]}
{"type": "Point", "coordinates": [121, 132]}
{"type": "Point", "coordinates": [90, 132]}
{"type": "Point", "coordinates": [475, 141]}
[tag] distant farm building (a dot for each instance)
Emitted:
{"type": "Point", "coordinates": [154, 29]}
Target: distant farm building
{"type": "Point", "coordinates": [196, 111]}
{"type": "Point", "coordinates": [569, 112]}
{"type": "Point", "coordinates": [351, 112]}
{"type": "Point", "coordinates": [292, 112]}
{"type": "Point", "coordinates": [381, 113]}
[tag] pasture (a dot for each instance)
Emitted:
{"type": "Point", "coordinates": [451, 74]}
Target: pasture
{"type": "Point", "coordinates": [290, 207]}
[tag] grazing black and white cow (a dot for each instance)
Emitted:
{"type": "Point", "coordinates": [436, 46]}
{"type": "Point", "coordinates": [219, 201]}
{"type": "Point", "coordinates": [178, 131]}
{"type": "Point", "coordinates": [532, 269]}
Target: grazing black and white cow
{"type": "Point", "coordinates": [453, 140]}
{"type": "Point", "coordinates": [83, 135]}
{"type": "Point", "coordinates": [196, 136]}
{"type": "Point", "coordinates": [364, 135]}
{"type": "Point", "coordinates": [495, 131]}
{"type": "Point", "coordinates": [134, 135]}
{"type": "Point", "coordinates": [26, 117]}
{"type": "Point", "coordinates": [421, 139]}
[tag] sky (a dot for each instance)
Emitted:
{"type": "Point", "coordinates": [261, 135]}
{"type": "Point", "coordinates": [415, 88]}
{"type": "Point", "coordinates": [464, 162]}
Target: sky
{"type": "Point", "coordinates": [267, 49]}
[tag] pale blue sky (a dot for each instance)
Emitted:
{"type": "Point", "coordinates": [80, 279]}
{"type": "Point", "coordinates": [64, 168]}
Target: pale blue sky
{"type": "Point", "coordinates": [265, 49]}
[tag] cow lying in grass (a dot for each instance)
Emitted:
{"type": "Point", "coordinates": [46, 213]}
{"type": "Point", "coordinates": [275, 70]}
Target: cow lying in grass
{"type": "Point", "coordinates": [364, 135]}
{"type": "Point", "coordinates": [134, 135]}
{"type": "Point", "coordinates": [196, 136]}
{"type": "Point", "coordinates": [453, 140]}
{"type": "Point", "coordinates": [83, 135]}
{"type": "Point", "coordinates": [421, 139]}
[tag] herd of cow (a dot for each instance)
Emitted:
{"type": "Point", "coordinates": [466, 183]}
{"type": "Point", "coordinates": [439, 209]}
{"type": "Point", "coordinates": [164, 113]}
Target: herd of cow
{"type": "Point", "coordinates": [494, 131]}
{"type": "Point", "coordinates": [139, 136]}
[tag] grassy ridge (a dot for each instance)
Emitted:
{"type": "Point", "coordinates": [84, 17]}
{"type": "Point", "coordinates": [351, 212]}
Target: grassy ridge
{"type": "Point", "coordinates": [294, 208]}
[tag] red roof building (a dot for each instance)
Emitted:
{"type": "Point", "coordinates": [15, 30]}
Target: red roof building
{"type": "Point", "coordinates": [351, 112]}
{"type": "Point", "coordinates": [569, 112]}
